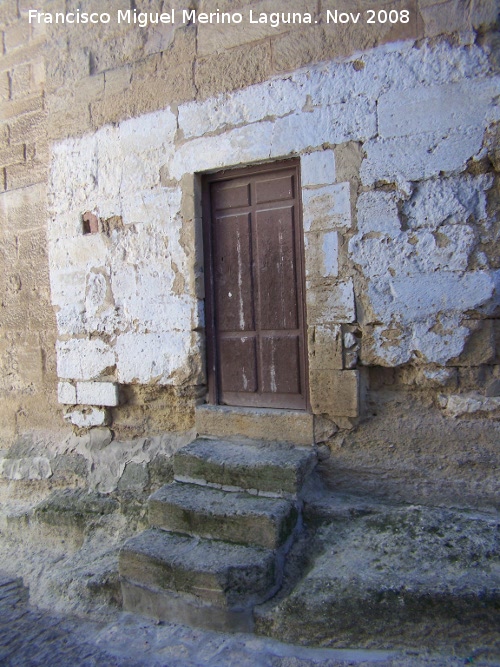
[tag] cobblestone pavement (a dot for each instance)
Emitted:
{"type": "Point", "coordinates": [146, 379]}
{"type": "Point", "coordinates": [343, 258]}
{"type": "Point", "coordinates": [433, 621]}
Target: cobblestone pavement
{"type": "Point", "coordinates": [30, 637]}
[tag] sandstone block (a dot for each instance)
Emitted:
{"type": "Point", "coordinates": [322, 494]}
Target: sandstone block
{"type": "Point", "coordinates": [25, 174]}
{"type": "Point", "coordinates": [10, 109]}
{"type": "Point", "coordinates": [272, 469]}
{"type": "Point", "coordinates": [232, 517]}
{"type": "Point", "coordinates": [218, 38]}
{"type": "Point", "coordinates": [12, 155]}
{"type": "Point", "coordinates": [21, 81]}
{"type": "Point", "coordinates": [325, 347]}
{"type": "Point", "coordinates": [28, 127]}
{"type": "Point", "coordinates": [480, 347]}
{"type": "Point", "coordinates": [260, 424]}
{"type": "Point", "coordinates": [242, 66]}
{"type": "Point", "coordinates": [16, 35]}
{"type": "Point", "coordinates": [335, 304]}
{"type": "Point", "coordinates": [117, 80]}
{"type": "Point", "coordinates": [444, 17]}
{"type": "Point", "coordinates": [335, 393]}
{"type": "Point", "coordinates": [222, 574]}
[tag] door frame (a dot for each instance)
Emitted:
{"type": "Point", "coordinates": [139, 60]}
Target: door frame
{"type": "Point", "coordinates": [210, 323]}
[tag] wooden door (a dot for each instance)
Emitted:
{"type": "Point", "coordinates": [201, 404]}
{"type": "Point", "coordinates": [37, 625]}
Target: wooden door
{"type": "Point", "coordinates": [254, 287]}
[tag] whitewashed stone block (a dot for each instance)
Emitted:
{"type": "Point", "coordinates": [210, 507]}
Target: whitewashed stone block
{"type": "Point", "coordinates": [438, 108]}
{"type": "Point", "coordinates": [417, 157]}
{"type": "Point", "coordinates": [97, 393]}
{"type": "Point", "coordinates": [80, 359]}
{"type": "Point", "coordinates": [327, 208]}
{"type": "Point", "coordinates": [66, 393]}
{"type": "Point", "coordinates": [451, 200]}
{"type": "Point", "coordinates": [378, 212]}
{"type": "Point", "coordinates": [87, 417]}
{"type": "Point", "coordinates": [321, 255]}
{"type": "Point", "coordinates": [317, 168]}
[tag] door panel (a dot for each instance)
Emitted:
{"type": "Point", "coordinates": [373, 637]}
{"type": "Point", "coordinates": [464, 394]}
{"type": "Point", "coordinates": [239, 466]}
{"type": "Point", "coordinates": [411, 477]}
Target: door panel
{"type": "Point", "coordinates": [275, 263]}
{"type": "Point", "coordinates": [233, 283]}
{"type": "Point", "coordinates": [280, 364]}
{"type": "Point", "coordinates": [254, 287]}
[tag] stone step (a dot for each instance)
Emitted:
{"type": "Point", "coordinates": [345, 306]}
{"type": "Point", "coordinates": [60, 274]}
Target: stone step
{"type": "Point", "coordinates": [233, 517]}
{"type": "Point", "coordinates": [292, 426]}
{"type": "Point", "coordinates": [227, 576]}
{"type": "Point", "coordinates": [274, 469]}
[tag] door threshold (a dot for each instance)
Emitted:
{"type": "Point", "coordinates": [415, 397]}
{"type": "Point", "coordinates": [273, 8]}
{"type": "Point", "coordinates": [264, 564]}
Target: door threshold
{"type": "Point", "coordinates": [269, 424]}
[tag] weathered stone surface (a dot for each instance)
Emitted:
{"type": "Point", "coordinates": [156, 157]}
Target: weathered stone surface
{"type": "Point", "coordinates": [317, 168]}
{"type": "Point", "coordinates": [224, 575]}
{"type": "Point", "coordinates": [267, 467]}
{"type": "Point", "coordinates": [335, 393]}
{"type": "Point", "coordinates": [325, 347]}
{"type": "Point", "coordinates": [460, 405]}
{"type": "Point", "coordinates": [437, 108]}
{"type": "Point", "coordinates": [87, 417]}
{"type": "Point", "coordinates": [291, 426]}
{"type": "Point", "coordinates": [385, 576]}
{"type": "Point", "coordinates": [183, 608]}
{"type": "Point", "coordinates": [74, 508]}
{"type": "Point", "coordinates": [213, 514]}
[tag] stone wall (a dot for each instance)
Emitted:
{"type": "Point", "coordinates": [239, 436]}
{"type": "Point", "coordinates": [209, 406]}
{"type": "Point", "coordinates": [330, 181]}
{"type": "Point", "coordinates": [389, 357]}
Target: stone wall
{"type": "Point", "coordinates": [27, 322]}
{"type": "Point", "coordinates": [399, 190]}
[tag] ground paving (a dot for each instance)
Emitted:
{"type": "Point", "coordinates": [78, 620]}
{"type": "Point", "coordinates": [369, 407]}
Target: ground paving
{"type": "Point", "coordinates": [31, 637]}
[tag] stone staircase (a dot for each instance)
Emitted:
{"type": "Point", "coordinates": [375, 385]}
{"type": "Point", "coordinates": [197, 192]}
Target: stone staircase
{"type": "Point", "coordinates": [219, 534]}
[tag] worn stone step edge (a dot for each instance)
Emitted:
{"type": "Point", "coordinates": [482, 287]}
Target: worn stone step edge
{"type": "Point", "coordinates": [213, 514]}
{"type": "Point", "coordinates": [183, 608]}
{"type": "Point", "coordinates": [270, 470]}
{"type": "Point", "coordinates": [223, 574]}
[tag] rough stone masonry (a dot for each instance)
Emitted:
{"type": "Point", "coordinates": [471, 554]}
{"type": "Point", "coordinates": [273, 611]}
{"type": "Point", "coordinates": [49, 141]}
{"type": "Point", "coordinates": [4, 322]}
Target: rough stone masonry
{"type": "Point", "coordinates": [106, 132]}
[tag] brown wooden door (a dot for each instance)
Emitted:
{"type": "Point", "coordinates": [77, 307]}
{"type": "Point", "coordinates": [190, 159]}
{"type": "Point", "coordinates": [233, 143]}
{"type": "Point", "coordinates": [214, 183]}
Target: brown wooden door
{"type": "Point", "coordinates": [255, 313]}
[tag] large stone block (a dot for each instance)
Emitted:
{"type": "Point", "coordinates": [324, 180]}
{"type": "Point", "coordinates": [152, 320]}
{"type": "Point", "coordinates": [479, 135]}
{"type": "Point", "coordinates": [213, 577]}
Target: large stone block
{"type": "Point", "coordinates": [83, 359]}
{"type": "Point", "coordinates": [335, 393]}
{"type": "Point", "coordinates": [325, 347]}
{"type": "Point", "coordinates": [232, 517]}
{"type": "Point", "coordinates": [12, 155]}
{"type": "Point", "coordinates": [403, 159]}
{"type": "Point", "coordinates": [226, 575]}
{"type": "Point", "coordinates": [275, 469]}
{"type": "Point", "coordinates": [213, 37]}
{"type": "Point", "coordinates": [334, 304]}
{"type": "Point", "coordinates": [317, 168]}
{"type": "Point", "coordinates": [242, 66]}
{"type": "Point", "coordinates": [327, 208]}
{"type": "Point", "coordinates": [97, 393]}
{"type": "Point", "coordinates": [321, 256]}
{"type": "Point", "coordinates": [87, 417]}
{"type": "Point", "coordinates": [437, 108]}
{"type": "Point", "coordinates": [258, 424]}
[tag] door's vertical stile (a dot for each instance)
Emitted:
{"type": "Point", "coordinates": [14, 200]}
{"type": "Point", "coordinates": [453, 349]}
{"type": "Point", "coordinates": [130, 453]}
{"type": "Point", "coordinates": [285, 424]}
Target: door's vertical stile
{"type": "Point", "coordinates": [256, 283]}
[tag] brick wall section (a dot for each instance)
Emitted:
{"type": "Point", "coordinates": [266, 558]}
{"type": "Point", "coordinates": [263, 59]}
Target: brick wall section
{"type": "Point", "coordinates": [27, 326]}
